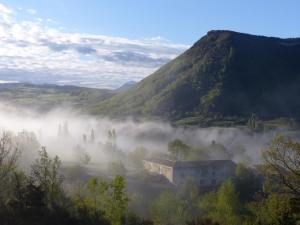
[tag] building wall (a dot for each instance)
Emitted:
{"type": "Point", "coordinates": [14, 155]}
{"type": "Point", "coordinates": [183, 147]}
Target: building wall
{"type": "Point", "coordinates": [204, 176]}
{"type": "Point", "coordinates": [160, 169]}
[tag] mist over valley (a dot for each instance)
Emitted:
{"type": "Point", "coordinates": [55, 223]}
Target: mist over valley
{"type": "Point", "coordinates": [149, 112]}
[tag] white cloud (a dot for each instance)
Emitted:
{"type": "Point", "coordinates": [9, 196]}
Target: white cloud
{"type": "Point", "coordinates": [31, 11]}
{"type": "Point", "coordinates": [31, 51]}
{"type": "Point", "coordinates": [4, 9]}
{"type": "Point", "coordinates": [5, 15]}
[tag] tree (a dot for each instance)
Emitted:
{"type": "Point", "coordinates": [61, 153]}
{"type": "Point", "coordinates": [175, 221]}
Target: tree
{"type": "Point", "coordinates": [84, 138]}
{"type": "Point", "coordinates": [188, 195]}
{"type": "Point", "coordinates": [178, 149]}
{"type": "Point", "coordinates": [9, 155]}
{"type": "Point", "coordinates": [224, 206]}
{"type": "Point", "coordinates": [137, 156]}
{"type": "Point", "coordinates": [28, 146]}
{"type": "Point", "coordinates": [24, 204]}
{"type": "Point", "coordinates": [246, 182]}
{"type": "Point", "coordinates": [45, 174]}
{"type": "Point", "coordinates": [112, 139]}
{"type": "Point", "coordinates": [254, 123]}
{"type": "Point", "coordinates": [116, 200]}
{"type": "Point", "coordinates": [276, 209]}
{"type": "Point", "coordinates": [105, 199]}
{"type": "Point", "coordinates": [218, 151]}
{"type": "Point", "coordinates": [282, 165]}
{"type": "Point", "coordinates": [164, 209]}
{"type": "Point", "coordinates": [82, 155]}
{"type": "Point", "coordinates": [87, 204]}
{"type": "Point", "coordinates": [92, 139]}
{"type": "Point", "coordinates": [176, 207]}
{"type": "Point", "coordinates": [132, 219]}
{"type": "Point", "coordinates": [117, 168]}
{"type": "Point", "coordinates": [66, 129]}
{"type": "Point", "coordinates": [59, 131]}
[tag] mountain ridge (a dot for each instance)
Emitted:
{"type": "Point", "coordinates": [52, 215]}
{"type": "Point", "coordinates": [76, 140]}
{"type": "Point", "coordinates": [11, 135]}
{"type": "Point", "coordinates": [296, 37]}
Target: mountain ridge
{"type": "Point", "coordinates": [224, 74]}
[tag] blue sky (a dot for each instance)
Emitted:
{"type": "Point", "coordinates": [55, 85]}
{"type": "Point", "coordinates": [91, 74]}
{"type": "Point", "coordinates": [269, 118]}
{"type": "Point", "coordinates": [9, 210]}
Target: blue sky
{"type": "Point", "coordinates": [177, 20]}
{"type": "Point", "coordinates": [106, 43]}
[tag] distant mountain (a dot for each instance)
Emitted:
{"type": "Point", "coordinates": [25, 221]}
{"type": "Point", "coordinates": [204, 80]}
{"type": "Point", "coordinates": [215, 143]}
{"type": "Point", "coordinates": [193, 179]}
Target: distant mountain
{"type": "Point", "coordinates": [46, 97]}
{"type": "Point", "coordinates": [125, 86]}
{"type": "Point", "coordinates": [224, 76]}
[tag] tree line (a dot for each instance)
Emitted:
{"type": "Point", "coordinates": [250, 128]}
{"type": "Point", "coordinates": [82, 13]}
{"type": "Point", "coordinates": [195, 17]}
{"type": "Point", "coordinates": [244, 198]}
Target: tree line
{"type": "Point", "coordinates": [267, 194]}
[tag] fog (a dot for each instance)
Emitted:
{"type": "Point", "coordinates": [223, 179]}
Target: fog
{"type": "Point", "coordinates": [61, 130]}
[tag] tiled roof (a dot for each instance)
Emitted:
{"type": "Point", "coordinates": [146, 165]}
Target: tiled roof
{"type": "Point", "coordinates": [166, 162]}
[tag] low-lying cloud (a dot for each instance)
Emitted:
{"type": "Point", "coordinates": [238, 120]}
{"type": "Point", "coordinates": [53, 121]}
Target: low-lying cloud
{"type": "Point", "coordinates": [243, 145]}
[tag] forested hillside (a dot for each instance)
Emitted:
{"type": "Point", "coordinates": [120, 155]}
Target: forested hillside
{"type": "Point", "coordinates": [225, 76]}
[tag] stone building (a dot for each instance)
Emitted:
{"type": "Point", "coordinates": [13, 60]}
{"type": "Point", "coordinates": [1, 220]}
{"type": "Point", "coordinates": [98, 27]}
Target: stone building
{"type": "Point", "coordinates": [205, 173]}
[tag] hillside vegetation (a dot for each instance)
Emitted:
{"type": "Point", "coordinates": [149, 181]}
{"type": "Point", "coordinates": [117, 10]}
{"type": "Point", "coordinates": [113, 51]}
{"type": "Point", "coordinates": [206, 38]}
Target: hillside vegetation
{"type": "Point", "coordinates": [46, 97]}
{"type": "Point", "coordinates": [225, 76]}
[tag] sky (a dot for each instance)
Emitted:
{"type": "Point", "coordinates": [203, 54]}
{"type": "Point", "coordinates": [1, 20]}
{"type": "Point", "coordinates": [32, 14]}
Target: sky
{"type": "Point", "coordinates": [106, 43]}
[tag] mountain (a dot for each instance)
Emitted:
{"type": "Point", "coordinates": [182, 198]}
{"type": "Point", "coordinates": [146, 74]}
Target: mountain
{"type": "Point", "coordinates": [225, 75]}
{"type": "Point", "coordinates": [47, 96]}
{"type": "Point", "coordinates": [125, 87]}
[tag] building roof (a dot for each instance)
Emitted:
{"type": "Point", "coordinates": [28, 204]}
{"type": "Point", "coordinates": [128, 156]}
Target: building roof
{"type": "Point", "coordinates": [190, 164]}
{"type": "Point", "coordinates": [165, 162]}
{"type": "Point", "coordinates": [202, 163]}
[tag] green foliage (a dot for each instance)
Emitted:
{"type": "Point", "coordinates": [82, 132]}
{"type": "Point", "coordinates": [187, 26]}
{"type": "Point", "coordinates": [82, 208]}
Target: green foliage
{"type": "Point", "coordinates": [240, 201]}
{"type": "Point", "coordinates": [276, 209]}
{"type": "Point", "coordinates": [218, 151]}
{"type": "Point", "coordinates": [36, 198]}
{"type": "Point", "coordinates": [223, 206]}
{"type": "Point", "coordinates": [163, 209]}
{"type": "Point", "coordinates": [82, 155]}
{"type": "Point", "coordinates": [105, 199]}
{"type": "Point", "coordinates": [176, 207]}
{"type": "Point", "coordinates": [254, 124]}
{"type": "Point", "coordinates": [45, 174]}
{"type": "Point", "coordinates": [28, 146]}
{"type": "Point", "coordinates": [211, 121]}
{"type": "Point", "coordinates": [247, 183]}
{"type": "Point", "coordinates": [134, 220]}
{"type": "Point", "coordinates": [137, 156]}
{"type": "Point", "coordinates": [116, 168]}
{"type": "Point", "coordinates": [178, 149]}
{"type": "Point", "coordinates": [208, 100]}
{"type": "Point", "coordinates": [116, 201]}
{"type": "Point", "coordinates": [9, 155]}
{"type": "Point", "coordinates": [198, 153]}
{"type": "Point", "coordinates": [75, 174]}
{"type": "Point", "coordinates": [202, 221]}
{"type": "Point", "coordinates": [223, 75]}
{"type": "Point", "coordinates": [111, 142]}
{"type": "Point", "coordinates": [46, 97]}
{"type": "Point", "coordinates": [281, 165]}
